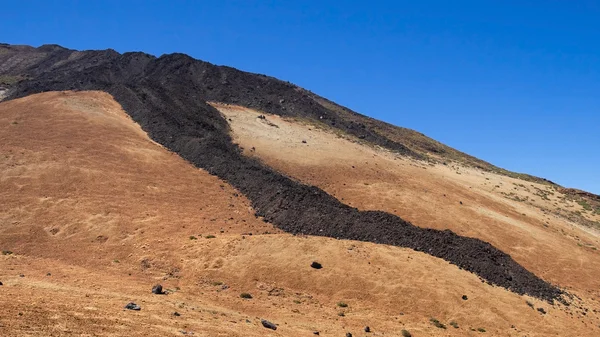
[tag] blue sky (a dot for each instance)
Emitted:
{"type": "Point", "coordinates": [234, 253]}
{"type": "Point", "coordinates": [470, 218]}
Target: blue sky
{"type": "Point", "coordinates": [516, 83]}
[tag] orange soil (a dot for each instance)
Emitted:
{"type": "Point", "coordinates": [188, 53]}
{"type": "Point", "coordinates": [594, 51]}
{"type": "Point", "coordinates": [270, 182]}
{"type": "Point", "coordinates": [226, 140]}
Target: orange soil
{"type": "Point", "coordinates": [87, 197]}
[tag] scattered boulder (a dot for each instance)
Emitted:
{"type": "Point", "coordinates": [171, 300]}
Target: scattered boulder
{"type": "Point", "coordinates": [1, 284]}
{"type": "Point", "coordinates": [464, 297]}
{"type": "Point", "coordinates": [133, 306]}
{"type": "Point", "coordinates": [348, 334]}
{"type": "Point", "coordinates": [303, 142]}
{"type": "Point", "coordinates": [316, 333]}
{"type": "Point", "coordinates": [176, 314]}
{"type": "Point", "coordinates": [21, 275]}
{"type": "Point", "coordinates": [158, 290]}
{"type": "Point", "coordinates": [316, 265]}
{"type": "Point", "coordinates": [268, 324]}
{"type": "Point", "coordinates": [48, 274]}
{"type": "Point", "coordinates": [367, 329]}
{"type": "Point", "coordinates": [541, 310]}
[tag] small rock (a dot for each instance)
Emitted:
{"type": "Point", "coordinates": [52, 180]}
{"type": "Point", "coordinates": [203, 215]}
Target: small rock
{"type": "Point", "coordinates": [464, 297]}
{"type": "Point", "coordinates": [367, 329]}
{"type": "Point", "coordinates": [316, 265]}
{"type": "Point", "coordinates": [176, 314]}
{"type": "Point", "coordinates": [268, 324]}
{"type": "Point", "coordinates": [316, 333]}
{"type": "Point", "coordinates": [542, 310]}
{"type": "Point", "coordinates": [21, 275]}
{"type": "Point", "coordinates": [157, 290]}
{"type": "Point", "coordinates": [133, 306]}
{"type": "Point", "coordinates": [48, 274]}
{"type": "Point", "coordinates": [1, 284]}
{"type": "Point", "coordinates": [348, 334]}
{"type": "Point", "coordinates": [461, 203]}
{"type": "Point", "coordinates": [303, 142]}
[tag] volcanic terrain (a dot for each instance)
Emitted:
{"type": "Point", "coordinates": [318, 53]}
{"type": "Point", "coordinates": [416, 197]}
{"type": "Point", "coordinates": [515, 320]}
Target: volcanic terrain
{"type": "Point", "coordinates": [122, 171]}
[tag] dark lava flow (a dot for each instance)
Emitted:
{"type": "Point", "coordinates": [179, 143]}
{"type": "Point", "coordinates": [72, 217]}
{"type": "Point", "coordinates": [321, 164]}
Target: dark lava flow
{"type": "Point", "coordinates": [167, 96]}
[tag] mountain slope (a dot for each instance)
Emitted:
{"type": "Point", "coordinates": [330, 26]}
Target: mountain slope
{"type": "Point", "coordinates": [167, 97]}
{"type": "Point", "coordinates": [517, 216]}
{"type": "Point", "coordinates": [95, 214]}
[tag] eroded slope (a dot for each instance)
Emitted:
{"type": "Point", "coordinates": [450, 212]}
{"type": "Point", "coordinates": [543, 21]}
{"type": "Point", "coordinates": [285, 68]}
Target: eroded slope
{"type": "Point", "coordinates": [88, 198]}
{"type": "Point", "coordinates": [517, 216]}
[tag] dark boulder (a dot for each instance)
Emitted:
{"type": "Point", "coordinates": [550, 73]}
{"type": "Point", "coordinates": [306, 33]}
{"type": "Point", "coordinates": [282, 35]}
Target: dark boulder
{"type": "Point", "coordinates": [268, 324]}
{"type": "Point", "coordinates": [316, 265]}
{"type": "Point", "coordinates": [133, 306]}
{"type": "Point", "coordinates": [157, 290]}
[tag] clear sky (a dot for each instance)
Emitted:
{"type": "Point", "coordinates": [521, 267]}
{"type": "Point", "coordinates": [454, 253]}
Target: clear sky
{"type": "Point", "coordinates": [516, 83]}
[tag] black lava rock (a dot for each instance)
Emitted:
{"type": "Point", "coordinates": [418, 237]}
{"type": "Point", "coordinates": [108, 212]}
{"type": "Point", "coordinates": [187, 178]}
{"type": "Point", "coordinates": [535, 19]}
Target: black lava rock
{"type": "Point", "coordinates": [133, 306]}
{"type": "Point", "coordinates": [316, 265]}
{"type": "Point", "coordinates": [268, 324]}
{"type": "Point", "coordinates": [157, 289]}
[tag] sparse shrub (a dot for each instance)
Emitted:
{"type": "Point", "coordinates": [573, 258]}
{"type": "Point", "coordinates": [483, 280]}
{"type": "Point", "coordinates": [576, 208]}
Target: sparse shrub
{"type": "Point", "coordinates": [342, 305]}
{"type": "Point", "coordinates": [193, 237]}
{"type": "Point", "coordinates": [116, 261]}
{"type": "Point", "coordinates": [529, 304]}
{"type": "Point", "coordinates": [297, 302]}
{"type": "Point", "coordinates": [245, 296]}
{"type": "Point", "coordinates": [7, 252]}
{"type": "Point", "coordinates": [217, 283]}
{"type": "Point", "coordinates": [481, 329]}
{"type": "Point", "coordinates": [405, 333]}
{"type": "Point", "coordinates": [454, 324]}
{"type": "Point", "coordinates": [437, 323]}
{"type": "Point", "coordinates": [210, 236]}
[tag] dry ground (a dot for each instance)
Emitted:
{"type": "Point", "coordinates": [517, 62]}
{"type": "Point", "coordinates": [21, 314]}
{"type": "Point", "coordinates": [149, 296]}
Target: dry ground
{"type": "Point", "coordinates": [95, 213]}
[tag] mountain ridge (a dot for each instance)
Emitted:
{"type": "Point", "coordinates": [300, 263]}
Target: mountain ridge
{"type": "Point", "coordinates": [396, 138]}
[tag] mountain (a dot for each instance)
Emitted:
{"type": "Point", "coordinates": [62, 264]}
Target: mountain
{"type": "Point", "coordinates": [88, 135]}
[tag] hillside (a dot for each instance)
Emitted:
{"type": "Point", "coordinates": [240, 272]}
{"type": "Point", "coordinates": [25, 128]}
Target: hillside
{"type": "Point", "coordinates": [93, 192]}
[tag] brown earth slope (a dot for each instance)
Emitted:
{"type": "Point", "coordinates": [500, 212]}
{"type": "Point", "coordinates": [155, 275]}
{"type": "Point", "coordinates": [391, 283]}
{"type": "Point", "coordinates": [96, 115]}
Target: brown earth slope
{"type": "Point", "coordinates": [95, 213]}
